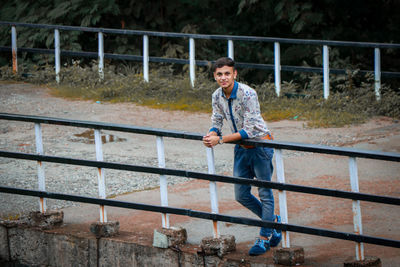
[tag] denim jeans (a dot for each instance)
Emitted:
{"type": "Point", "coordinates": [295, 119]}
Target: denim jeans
{"type": "Point", "coordinates": [250, 163]}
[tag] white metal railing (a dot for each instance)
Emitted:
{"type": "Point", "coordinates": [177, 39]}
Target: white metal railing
{"type": "Point", "coordinates": [192, 58]}
{"type": "Point", "coordinates": [279, 146]}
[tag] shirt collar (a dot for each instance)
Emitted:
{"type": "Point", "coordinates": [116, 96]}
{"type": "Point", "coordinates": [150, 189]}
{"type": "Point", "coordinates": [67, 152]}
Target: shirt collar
{"type": "Point", "coordinates": [234, 91]}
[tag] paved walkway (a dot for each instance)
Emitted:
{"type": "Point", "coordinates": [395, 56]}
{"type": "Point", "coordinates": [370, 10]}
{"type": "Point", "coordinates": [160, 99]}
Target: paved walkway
{"type": "Point", "coordinates": [308, 210]}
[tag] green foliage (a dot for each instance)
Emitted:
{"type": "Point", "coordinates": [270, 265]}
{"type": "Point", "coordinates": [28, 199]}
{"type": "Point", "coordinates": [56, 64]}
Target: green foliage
{"type": "Point", "coordinates": [76, 12]}
{"type": "Point", "coordinates": [370, 20]}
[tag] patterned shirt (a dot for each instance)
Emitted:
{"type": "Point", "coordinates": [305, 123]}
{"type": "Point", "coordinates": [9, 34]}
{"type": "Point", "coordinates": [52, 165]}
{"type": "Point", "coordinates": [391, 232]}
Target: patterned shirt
{"type": "Point", "coordinates": [241, 110]}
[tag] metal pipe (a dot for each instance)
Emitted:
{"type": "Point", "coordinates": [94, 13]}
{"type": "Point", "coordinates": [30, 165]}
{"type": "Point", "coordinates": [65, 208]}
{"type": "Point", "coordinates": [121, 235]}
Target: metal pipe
{"type": "Point", "coordinates": [277, 65]}
{"type": "Point", "coordinates": [231, 51]}
{"type": "Point", "coordinates": [213, 189]}
{"type": "Point", "coordinates": [40, 167]}
{"type": "Point", "coordinates": [57, 53]}
{"type": "Point", "coordinates": [101, 55]}
{"type": "Point", "coordinates": [377, 72]}
{"type": "Point", "coordinates": [163, 180]}
{"type": "Point", "coordinates": [14, 49]}
{"type": "Point", "coordinates": [326, 70]}
{"type": "Point", "coordinates": [192, 61]}
{"type": "Point", "coordinates": [146, 58]}
{"type": "Point", "coordinates": [356, 207]}
{"type": "Point", "coordinates": [280, 174]}
{"type": "Point", "coordinates": [100, 174]}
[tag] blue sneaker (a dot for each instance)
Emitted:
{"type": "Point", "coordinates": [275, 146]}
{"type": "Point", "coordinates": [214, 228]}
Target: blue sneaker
{"type": "Point", "coordinates": [260, 247]}
{"type": "Point", "coordinates": [276, 236]}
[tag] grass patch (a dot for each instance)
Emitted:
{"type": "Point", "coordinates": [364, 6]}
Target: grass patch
{"type": "Point", "coordinates": [351, 101]}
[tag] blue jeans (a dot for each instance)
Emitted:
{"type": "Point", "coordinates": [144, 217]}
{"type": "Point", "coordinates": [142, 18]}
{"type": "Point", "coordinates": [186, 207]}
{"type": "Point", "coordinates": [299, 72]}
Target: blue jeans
{"type": "Point", "coordinates": [250, 163]}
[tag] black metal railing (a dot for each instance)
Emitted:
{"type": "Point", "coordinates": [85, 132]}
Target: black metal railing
{"type": "Point", "coordinates": [350, 152]}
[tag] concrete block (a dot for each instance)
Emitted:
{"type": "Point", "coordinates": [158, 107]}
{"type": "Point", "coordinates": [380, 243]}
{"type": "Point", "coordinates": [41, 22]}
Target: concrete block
{"type": "Point", "coordinates": [71, 250]}
{"type": "Point", "coordinates": [4, 253]}
{"type": "Point", "coordinates": [169, 237]}
{"type": "Point", "coordinates": [289, 256]}
{"type": "Point", "coordinates": [218, 246]}
{"type": "Point", "coordinates": [33, 247]}
{"type": "Point", "coordinates": [28, 246]}
{"type": "Point", "coordinates": [105, 229]}
{"type": "Point", "coordinates": [46, 220]}
{"type": "Point", "coordinates": [367, 262]}
{"type": "Point", "coordinates": [120, 254]}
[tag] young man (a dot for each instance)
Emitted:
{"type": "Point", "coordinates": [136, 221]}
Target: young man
{"type": "Point", "coordinates": [238, 104]}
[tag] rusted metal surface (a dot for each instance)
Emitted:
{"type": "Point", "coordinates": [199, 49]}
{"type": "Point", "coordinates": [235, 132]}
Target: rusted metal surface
{"type": "Point", "coordinates": [280, 174]}
{"type": "Point", "coordinates": [101, 55]}
{"type": "Point", "coordinates": [356, 206]}
{"type": "Point", "coordinates": [14, 49]}
{"type": "Point", "coordinates": [40, 167]}
{"type": "Point", "coordinates": [100, 173]}
{"type": "Point", "coordinates": [213, 189]}
{"type": "Point", "coordinates": [163, 180]}
{"type": "Point", "coordinates": [377, 73]}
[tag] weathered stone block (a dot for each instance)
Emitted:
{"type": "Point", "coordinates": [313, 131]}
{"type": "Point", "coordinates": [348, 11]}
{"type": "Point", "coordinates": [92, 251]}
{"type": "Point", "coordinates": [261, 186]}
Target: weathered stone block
{"type": "Point", "coordinates": [169, 237]}
{"type": "Point", "coordinates": [34, 247]}
{"type": "Point", "coordinates": [71, 250]}
{"type": "Point", "coordinates": [367, 262]}
{"type": "Point", "coordinates": [289, 256]}
{"type": "Point", "coordinates": [120, 254]}
{"type": "Point", "coordinates": [218, 246]}
{"type": "Point", "coordinates": [28, 246]}
{"type": "Point", "coordinates": [4, 255]}
{"type": "Point", "coordinates": [46, 220]}
{"type": "Point", "coordinates": [105, 229]}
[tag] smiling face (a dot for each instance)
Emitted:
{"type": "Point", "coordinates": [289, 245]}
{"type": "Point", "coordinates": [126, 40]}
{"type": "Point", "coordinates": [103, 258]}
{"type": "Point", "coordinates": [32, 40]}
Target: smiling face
{"type": "Point", "coordinates": [225, 77]}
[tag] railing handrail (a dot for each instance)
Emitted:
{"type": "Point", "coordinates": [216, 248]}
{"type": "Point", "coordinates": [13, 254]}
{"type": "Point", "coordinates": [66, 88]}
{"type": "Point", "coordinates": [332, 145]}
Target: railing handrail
{"type": "Point", "coordinates": [205, 36]}
{"type": "Point", "coordinates": [205, 176]}
{"type": "Point", "coordinates": [206, 215]}
{"type": "Point", "coordinates": [281, 185]}
{"type": "Point", "coordinates": [341, 151]}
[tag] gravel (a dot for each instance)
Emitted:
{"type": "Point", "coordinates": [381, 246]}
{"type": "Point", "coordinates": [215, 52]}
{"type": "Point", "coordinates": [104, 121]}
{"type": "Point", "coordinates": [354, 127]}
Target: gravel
{"type": "Point", "coordinates": [128, 148]}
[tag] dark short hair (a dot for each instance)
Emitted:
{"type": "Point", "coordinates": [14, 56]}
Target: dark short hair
{"type": "Point", "coordinates": [223, 61]}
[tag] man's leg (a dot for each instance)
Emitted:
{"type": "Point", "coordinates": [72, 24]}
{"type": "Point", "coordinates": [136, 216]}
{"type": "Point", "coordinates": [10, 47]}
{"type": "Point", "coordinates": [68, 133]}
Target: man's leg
{"type": "Point", "coordinates": [263, 169]}
{"type": "Point", "coordinates": [242, 169]}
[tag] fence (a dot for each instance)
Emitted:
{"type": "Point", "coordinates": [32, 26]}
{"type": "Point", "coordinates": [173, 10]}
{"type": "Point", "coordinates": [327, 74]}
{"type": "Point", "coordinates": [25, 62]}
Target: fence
{"type": "Point", "coordinates": [192, 61]}
{"type": "Point", "coordinates": [281, 186]}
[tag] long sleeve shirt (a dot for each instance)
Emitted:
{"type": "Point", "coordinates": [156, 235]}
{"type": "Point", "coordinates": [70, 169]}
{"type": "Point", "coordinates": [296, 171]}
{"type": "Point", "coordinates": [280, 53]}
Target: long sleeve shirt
{"type": "Point", "coordinates": [241, 110]}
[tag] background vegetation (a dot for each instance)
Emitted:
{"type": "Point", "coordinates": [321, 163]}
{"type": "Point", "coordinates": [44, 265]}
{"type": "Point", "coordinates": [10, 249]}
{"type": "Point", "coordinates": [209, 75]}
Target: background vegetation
{"type": "Point", "coordinates": [352, 97]}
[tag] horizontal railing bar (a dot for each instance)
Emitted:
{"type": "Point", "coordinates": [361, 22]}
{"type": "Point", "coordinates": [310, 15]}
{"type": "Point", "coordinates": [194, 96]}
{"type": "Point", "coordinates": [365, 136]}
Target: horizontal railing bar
{"type": "Point", "coordinates": [205, 215]}
{"type": "Point", "coordinates": [204, 176]}
{"type": "Point", "coordinates": [204, 36]}
{"type": "Point", "coordinates": [341, 151]}
{"type": "Point", "coordinates": [386, 74]}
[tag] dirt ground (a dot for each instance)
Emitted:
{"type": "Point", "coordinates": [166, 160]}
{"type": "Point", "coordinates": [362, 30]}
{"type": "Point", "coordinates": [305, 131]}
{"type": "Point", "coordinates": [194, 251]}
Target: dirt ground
{"type": "Point", "coordinates": [327, 171]}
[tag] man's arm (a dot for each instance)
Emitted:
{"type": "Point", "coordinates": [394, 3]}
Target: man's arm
{"type": "Point", "coordinates": [212, 139]}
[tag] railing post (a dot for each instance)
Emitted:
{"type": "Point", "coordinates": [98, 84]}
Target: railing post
{"type": "Point", "coordinates": [57, 53]}
{"type": "Point", "coordinates": [213, 189]}
{"type": "Point", "coordinates": [146, 58]}
{"type": "Point", "coordinates": [14, 49]}
{"type": "Point", "coordinates": [41, 177]}
{"type": "Point", "coordinates": [356, 207]}
{"type": "Point", "coordinates": [192, 61]}
{"type": "Point", "coordinates": [101, 55]}
{"type": "Point", "coordinates": [163, 180]}
{"type": "Point", "coordinates": [231, 50]}
{"type": "Point", "coordinates": [377, 72]}
{"type": "Point", "coordinates": [277, 65]}
{"type": "Point", "coordinates": [326, 70]}
{"type": "Point", "coordinates": [100, 174]}
{"type": "Point", "coordinates": [280, 173]}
